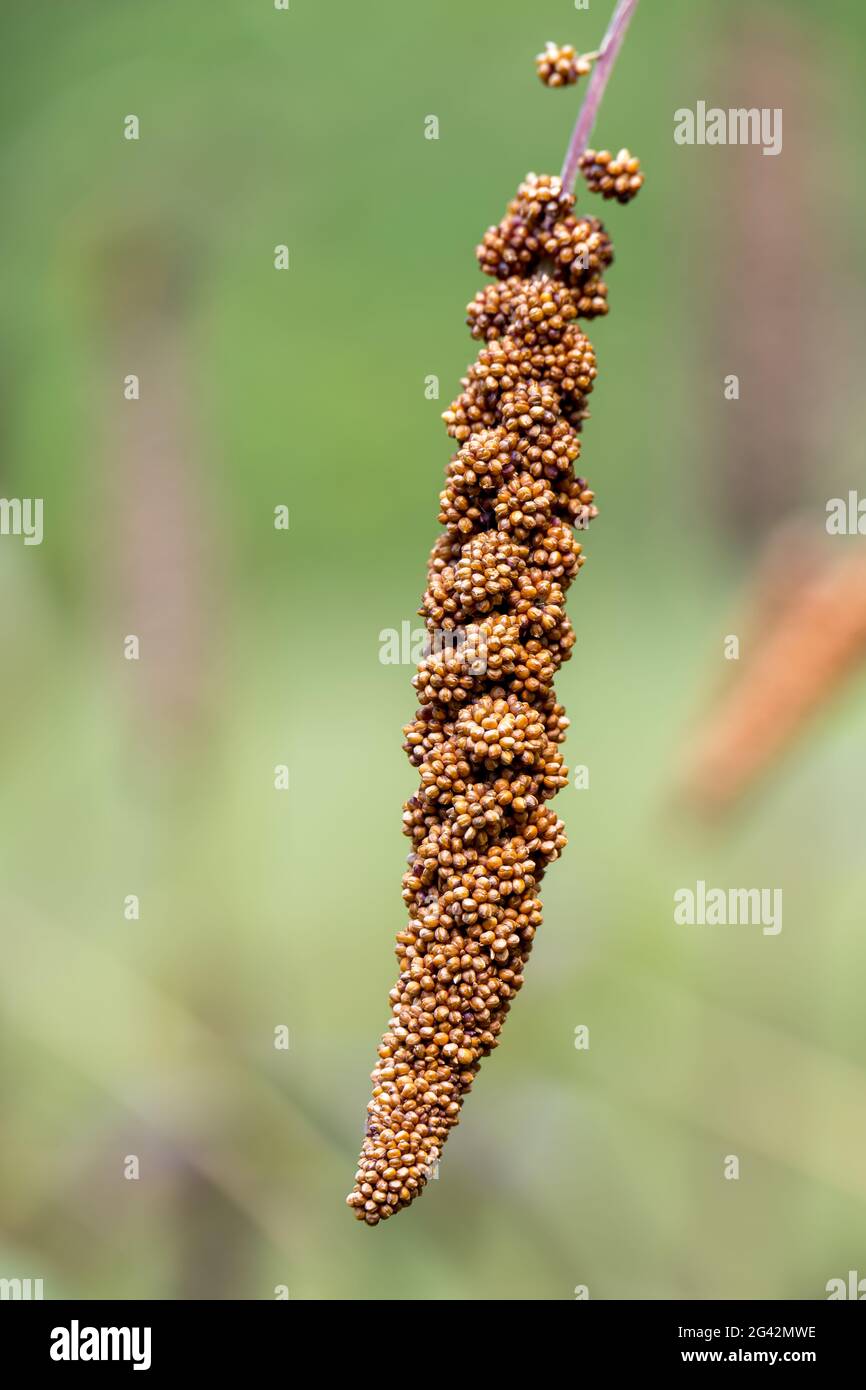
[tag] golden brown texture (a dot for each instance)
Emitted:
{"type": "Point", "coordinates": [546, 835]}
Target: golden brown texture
{"type": "Point", "coordinates": [560, 66]}
{"type": "Point", "coordinates": [613, 176]}
{"type": "Point", "coordinates": [486, 737]}
{"type": "Point", "coordinates": [795, 665]}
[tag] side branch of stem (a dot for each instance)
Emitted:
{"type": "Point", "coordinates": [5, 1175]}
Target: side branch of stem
{"type": "Point", "coordinates": [610, 47]}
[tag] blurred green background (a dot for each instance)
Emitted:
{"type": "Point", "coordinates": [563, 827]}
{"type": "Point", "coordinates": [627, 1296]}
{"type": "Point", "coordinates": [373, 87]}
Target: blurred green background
{"type": "Point", "coordinates": [259, 647]}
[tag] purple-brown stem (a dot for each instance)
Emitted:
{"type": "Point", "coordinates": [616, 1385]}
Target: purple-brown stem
{"type": "Point", "coordinates": [610, 46]}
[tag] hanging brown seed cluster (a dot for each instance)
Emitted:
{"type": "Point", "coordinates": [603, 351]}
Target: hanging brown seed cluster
{"type": "Point", "coordinates": [560, 66]}
{"type": "Point", "coordinates": [618, 177]}
{"type": "Point", "coordinates": [486, 737]}
{"type": "Point", "coordinates": [808, 645]}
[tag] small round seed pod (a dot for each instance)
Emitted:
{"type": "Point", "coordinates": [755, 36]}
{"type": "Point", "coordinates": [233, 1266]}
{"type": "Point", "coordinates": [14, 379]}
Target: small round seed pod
{"type": "Point", "coordinates": [555, 553]}
{"type": "Point", "coordinates": [592, 300]}
{"type": "Point", "coordinates": [491, 311]}
{"type": "Point", "coordinates": [428, 730]}
{"type": "Point", "coordinates": [494, 731]}
{"type": "Point", "coordinates": [514, 247]}
{"type": "Point", "coordinates": [511, 248]}
{"type": "Point", "coordinates": [485, 461]}
{"type": "Point", "coordinates": [470, 411]}
{"type": "Point", "coordinates": [612, 176]}
{"type": "Point", "coordinates": [560, 66]}
{"type": "Point", "coordinates": [541, 199]}
{"type": "Point", "coordinates": [522, 504]}
{"type": "Point", "coordinates": [540, 310]}
{"type": "Point", "coordinates": [486, 737]}
{"type": "Point", "coordinates": [580, 248]}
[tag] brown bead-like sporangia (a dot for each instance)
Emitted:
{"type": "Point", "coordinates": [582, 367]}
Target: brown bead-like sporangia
{"type": "Point", "coordinates": [486, 736]}
{"type": "Point", "coordinates": [613, 176]}
{"type": "Point", "coordinates": [561, 66]}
